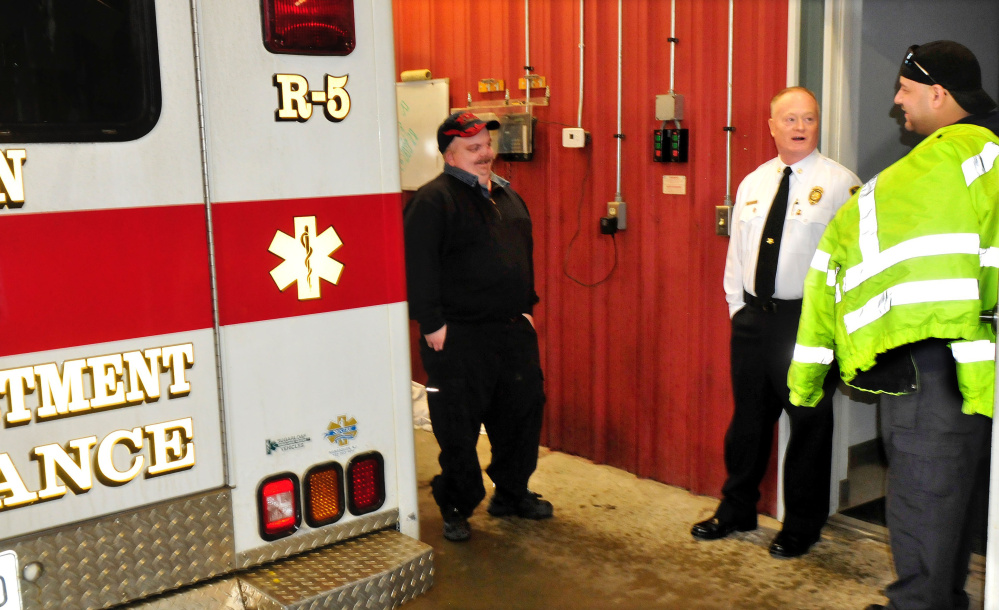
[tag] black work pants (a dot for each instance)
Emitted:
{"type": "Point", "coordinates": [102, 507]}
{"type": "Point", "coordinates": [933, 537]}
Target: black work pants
{"type": "Point", "coordinates": [936, 455]}
{"type": "Point", "coordinates": [488, 373]}
{"type": "Point", "coordinates": [762, 346]}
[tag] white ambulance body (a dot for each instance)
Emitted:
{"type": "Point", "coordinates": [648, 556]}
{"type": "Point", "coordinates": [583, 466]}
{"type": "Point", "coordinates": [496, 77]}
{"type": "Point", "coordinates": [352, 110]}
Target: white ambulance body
{"type": "Point", "coordinates": [204, 357]}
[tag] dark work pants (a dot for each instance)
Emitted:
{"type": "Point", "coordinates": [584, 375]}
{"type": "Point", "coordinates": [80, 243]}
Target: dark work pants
{"type": "Point", "coordinates": [489, 374]}
{"type": "Point", "coordinates": [762, 346]}
{"type": "Point", "coordinates": [936, 454]}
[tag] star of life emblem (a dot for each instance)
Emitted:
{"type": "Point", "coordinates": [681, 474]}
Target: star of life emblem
{"type": "Point", "coordinates": [342, 431]}
{"type": "Point", "coordinates": [306, 258]}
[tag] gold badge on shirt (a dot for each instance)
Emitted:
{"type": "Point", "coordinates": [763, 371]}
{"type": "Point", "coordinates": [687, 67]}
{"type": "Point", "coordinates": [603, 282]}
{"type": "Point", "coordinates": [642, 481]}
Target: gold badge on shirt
{"type": "Point", "coordinates": [815, 195]}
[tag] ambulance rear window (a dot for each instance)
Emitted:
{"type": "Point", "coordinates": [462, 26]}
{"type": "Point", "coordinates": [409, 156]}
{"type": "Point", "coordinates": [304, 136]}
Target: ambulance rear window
{"type": "Point", "coordinates": [77, 70]}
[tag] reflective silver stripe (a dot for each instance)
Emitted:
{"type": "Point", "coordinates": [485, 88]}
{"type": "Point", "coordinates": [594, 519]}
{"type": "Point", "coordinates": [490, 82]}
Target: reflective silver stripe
{"type": "Point", "coordinates": [969, 351]}
{"type": "Point", "coordinates": [812, 355]}
{"type": "Point", "coordinates": [989, 257]}
{"type": "Point", "coordinates": [929, 291]}
{"type": "Point", "coordinates": [869, 246]}
{"type": "Point", "coordinates": [831, 277]}
{"type": "Point", "coordinates": [927, 245]}
{"type": "Point", "coordinates": [820, 261]}
{"type": "Point", "coordinates": [979, 165]}
{"type": "Point", "coordinates": [839, 295]}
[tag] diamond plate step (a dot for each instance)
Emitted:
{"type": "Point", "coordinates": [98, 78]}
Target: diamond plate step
{"type": "Point", "coordinates": [374, 572]}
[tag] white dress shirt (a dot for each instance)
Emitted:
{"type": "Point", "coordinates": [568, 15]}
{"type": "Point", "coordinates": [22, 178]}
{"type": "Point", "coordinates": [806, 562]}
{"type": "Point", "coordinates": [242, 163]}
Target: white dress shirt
{"type": "Point", "coordinates": [818, 188]}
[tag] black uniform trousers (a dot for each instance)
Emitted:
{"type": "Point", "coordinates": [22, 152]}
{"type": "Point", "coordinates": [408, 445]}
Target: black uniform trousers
{"type": "Point", "coordinates": [937, 456]}
{"type": "Point", "coordinates": [762, 347]}
{"type": "Point", "coordinates": [487, 373]}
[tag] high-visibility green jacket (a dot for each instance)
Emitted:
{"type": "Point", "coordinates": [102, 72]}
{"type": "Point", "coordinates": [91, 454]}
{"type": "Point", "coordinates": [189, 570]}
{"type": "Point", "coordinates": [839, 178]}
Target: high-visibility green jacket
{"type": "Point", "coordinates": [913, 255]}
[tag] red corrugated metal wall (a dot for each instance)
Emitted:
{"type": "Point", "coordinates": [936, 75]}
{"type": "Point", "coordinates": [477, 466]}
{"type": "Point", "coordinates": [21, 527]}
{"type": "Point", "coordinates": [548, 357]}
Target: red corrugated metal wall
{"type": "Point", "coordinates": [636, 368]}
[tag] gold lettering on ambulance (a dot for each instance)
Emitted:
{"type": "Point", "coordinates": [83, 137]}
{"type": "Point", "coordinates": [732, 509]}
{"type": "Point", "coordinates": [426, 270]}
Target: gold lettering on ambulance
{"type": "Point", "coordinates": [107, 473]}
{"type": "Point", "coordinates": [338, 100]}
{"type": "Point", "coordinates": [12, 489]}
{"type": "Point", "coordinates": [292, 92]}
{"type": "Point", "coordinates": [15, 383]}
{"type": "Point", "coordinates": [108, 387]}
{"type": "Point", "coordinates": [11, 180]}
{"type": "Point", "coordinates": [76, 472]}
{"type": "Point", "coordinates": [75, 465]}
{"type": "Point", "coordinates": [178, 358]}
{"type": "Point", "coordinates": [172, 438]}
{"type": "Point", "coordinates": [61, 394]}
{"type": "Point", "coordinates": [115, 380]}
{"type": "Point", "coordinates": [143, 375]}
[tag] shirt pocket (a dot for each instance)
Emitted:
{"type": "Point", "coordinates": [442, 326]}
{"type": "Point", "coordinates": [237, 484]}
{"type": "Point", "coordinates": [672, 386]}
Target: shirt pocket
{"type": "Point", "coordinates": [808, 223]}
{"type": "Point", "coordinates": [752, 219]}
{"type": "Point", "coordinates": [818, 214]}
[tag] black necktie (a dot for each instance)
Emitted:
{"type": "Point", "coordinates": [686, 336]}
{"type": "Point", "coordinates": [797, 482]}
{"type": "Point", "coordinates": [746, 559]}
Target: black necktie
{"type": "Point", "coordinates": [766, 265]}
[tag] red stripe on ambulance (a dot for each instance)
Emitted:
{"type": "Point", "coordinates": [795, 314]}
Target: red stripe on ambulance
{"type": "Point", "coordinates": [253, 238]}
{"type": "Point", "coordinates": [78, 278]}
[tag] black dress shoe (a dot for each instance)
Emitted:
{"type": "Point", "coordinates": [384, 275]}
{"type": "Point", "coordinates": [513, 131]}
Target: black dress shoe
{"type": "Point", "coordinates": [714, 528]}
{"type": "Point", "coordinates": [787, 545]}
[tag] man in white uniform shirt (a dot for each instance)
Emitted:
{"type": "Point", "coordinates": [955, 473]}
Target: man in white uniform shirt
{"type": "Point", "coordinates": [768, 258]}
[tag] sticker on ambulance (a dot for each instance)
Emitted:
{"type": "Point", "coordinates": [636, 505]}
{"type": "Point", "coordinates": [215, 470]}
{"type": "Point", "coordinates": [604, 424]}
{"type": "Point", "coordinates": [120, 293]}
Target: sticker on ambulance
{"type": "Point", "coordinates": [10, 592]}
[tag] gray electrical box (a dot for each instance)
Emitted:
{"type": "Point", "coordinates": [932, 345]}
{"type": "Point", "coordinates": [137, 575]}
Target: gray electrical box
{"type": "Point", "coordinates": [669, 107]}
{"type": "Point", "coordinates": [516, 137]}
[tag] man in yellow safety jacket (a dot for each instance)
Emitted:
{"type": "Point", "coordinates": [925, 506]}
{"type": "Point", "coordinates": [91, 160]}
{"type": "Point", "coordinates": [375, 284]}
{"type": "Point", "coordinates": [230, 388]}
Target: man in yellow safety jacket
{"type": "Point", "coordinates": [895, 293]}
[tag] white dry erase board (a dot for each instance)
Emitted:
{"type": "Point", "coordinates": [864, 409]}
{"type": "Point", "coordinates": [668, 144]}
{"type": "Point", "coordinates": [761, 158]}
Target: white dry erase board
{"type": "Point", "coordinates": [422, 107]}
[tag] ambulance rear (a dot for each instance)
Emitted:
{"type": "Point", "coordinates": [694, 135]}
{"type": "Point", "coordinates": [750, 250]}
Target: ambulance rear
{"type": "Point", "coordinates": [204, 361]}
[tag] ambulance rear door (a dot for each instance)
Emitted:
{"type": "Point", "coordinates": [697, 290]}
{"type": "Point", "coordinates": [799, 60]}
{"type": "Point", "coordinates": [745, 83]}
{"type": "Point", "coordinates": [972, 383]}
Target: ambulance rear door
{"type": "Point", "coordinates": [107, 354]}
{"type": "Point", "coordinates": [306, 221]}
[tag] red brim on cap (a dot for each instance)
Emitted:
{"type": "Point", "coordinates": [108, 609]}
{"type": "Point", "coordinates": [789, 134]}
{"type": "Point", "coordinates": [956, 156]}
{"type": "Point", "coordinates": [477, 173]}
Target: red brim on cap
{"type": "Point", "coordinates": [468, 132]}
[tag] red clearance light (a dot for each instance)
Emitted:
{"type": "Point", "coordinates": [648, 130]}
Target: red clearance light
{"type": "Point", "coordinates": [309, 27]}
{"type": "Point", "coordinates": [278, 509]}
{"type": "Point", "coordinates": [323, 494]}
{"type": "Point", "coordinates": [366, 483]}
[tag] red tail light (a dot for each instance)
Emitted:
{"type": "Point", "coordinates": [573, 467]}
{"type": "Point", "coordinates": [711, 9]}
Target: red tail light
{"type": "Point", "coordinates": [366, 483]}
{"type": "Point", "coordinates": [309, 27]}
{"type": "Point", "coordinates": [323, 494]}
{"type": "Point", "coordinates": [278, 509]}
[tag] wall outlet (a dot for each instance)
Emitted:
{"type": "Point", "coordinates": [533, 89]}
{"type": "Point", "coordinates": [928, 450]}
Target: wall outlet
{"type": "Point", "coordinates": [723, 220]}
{"type": "Point", "coordinates": [573, 137]}
{"type": "Point", "coordinates": [619, 210]}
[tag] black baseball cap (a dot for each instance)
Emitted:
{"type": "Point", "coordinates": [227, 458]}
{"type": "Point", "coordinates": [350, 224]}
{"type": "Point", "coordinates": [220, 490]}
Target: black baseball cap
{"type": "Point", "coordinates": [462, 125]}
{"type": "Point", "coordinates": [952, 66]}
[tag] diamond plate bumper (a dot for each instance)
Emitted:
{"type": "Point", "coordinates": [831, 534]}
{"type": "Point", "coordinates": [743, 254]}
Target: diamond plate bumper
{"type": "Point", "coordinates": [158, 549]}
{"type": "Point", "coordinates": [112, 560]}
{"type": "Point", "coordinates": [377, 571]}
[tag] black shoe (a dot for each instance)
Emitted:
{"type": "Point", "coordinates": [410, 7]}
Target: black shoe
{"type": "Point", "coordinates": [876, 607]}
{"type": "Point", "coordinates": [787, 545]}
{"type": "Point", "coordinates": [715, 528]}
{"type": "Point", "coordinates": [455, 526]}
{"type": "Point", "coordinates": [530, 506]}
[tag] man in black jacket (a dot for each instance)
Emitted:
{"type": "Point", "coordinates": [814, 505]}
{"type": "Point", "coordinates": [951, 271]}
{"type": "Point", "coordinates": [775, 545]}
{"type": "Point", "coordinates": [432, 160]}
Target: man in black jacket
{"type": "Point", "coordinates": [470, 276]}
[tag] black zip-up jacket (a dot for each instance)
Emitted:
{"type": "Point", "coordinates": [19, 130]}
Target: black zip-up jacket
{"type": "Point", "coordinates": [469, 256]}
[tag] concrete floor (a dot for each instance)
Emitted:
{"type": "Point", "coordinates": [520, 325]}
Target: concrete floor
{"type": "Point", "coordinates": [618, 541]}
